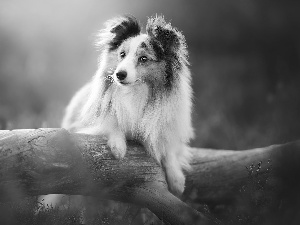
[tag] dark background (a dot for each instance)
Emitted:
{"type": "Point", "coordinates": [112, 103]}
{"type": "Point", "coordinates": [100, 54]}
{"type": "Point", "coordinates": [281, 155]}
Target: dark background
{"type": "Point", "coordinates": [244, 56]}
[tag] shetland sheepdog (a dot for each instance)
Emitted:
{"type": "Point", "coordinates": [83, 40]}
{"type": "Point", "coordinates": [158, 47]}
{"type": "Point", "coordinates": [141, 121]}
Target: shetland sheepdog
{"type": "Point", "coordinates": [141, 91]}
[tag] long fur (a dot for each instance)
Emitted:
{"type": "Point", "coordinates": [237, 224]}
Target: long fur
{"type": "Point", "coordinates": [154, 103]}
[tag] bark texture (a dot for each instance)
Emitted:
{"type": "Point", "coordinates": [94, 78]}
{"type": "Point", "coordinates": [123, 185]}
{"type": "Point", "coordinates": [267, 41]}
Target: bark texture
{"type": "Point", "coordinates": [54, 161]}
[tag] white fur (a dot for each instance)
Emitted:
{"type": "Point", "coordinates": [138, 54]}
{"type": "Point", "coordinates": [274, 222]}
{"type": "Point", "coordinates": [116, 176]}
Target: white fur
{"type": "Point", "coordinates": [162, 125]}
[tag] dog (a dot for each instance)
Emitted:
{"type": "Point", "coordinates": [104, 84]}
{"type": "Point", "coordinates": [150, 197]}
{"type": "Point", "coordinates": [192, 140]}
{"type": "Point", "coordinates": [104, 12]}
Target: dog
{"type": "Point", "coordinates": [141, 91]}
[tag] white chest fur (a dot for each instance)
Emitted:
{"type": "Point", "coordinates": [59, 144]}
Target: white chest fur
{"type": "Point", "coordinates": [128, 104]}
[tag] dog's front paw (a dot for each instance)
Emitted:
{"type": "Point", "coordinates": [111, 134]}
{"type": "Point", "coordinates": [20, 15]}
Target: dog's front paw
{"type": "Point", "coordinates": [176, 183]}
{"type": "Point", "coordinates": [117, 146]}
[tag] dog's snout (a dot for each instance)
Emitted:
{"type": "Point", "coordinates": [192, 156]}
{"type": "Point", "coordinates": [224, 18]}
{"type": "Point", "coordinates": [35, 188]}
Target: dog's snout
{"type": "Point", "coordinates": [121, 75]}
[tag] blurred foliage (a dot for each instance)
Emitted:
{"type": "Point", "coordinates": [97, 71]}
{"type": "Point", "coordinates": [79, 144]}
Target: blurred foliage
{"type": "Point", "coordinates": [244, 57]}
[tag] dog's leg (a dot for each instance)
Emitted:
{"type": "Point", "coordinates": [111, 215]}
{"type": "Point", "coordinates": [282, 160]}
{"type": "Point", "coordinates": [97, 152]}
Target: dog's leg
{"type": "Point", "coordinates": [173, 168]}
{"type": "Point", "coordinates": [117, 143]}
{"type": "Point", "coordinates": [116, 138]}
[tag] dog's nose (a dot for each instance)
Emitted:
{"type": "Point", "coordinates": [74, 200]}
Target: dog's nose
{"type": "Point", "coordinates": [121, 75]}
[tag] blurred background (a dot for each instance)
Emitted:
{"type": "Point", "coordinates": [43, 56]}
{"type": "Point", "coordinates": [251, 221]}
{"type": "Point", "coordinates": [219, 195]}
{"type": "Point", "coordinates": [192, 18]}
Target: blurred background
{"type": "Point", "coordinates": [244, 59]}
{"type": "Point", "coordinates": [245, 62]}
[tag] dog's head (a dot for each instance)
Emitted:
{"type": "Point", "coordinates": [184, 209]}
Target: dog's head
{"type": "Point", "coordinates": [154, 57]}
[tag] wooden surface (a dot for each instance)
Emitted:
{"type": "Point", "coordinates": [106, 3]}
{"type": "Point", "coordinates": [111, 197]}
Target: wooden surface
{"type": "Point", "coordinates": [53, 161]}
{"type": "Point", "coordinates": [218, 175]}
{"type": "Point", "coordinates": [48, 161]}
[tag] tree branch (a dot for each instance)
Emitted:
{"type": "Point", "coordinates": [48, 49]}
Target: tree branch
{"type": "Point", "coordinates": [218, 175]}
{"type": "Point", "coordinates": [49, 161]}
{"type": "Point", "coordinates": [53, 161]}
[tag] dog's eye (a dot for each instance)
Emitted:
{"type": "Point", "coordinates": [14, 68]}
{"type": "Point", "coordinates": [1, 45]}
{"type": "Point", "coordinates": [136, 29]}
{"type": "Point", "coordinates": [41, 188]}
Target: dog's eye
{"type": "Point", "coordinates": [122, 54]}
{"type": "Point", "coordinates": [143, 59]}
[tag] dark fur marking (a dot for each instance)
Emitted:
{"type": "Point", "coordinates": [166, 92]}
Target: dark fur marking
{"type": "Point", "coordinates": [107, 84]}
{"type": "Point", "coordinates": [160, 55]}
{"type": "Point", "coordinates": [167, 43]}
{"type": "Point", "coordinates": [108, 78]}
{"type": "Point", "coordinates": [167, 38]}
{"type": "Point", "coordinates": [129, 27]}
{"type": "Point", "coordinates": [157, 48]}
{"type": "Point", "coordinates": [144, 45]}
{"type": "Point", "coordinates": [171, 59]}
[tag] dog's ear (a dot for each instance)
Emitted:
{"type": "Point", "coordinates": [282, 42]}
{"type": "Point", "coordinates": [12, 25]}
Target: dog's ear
{"type": "Point", "coordinates": [117, 30]}
{"type": "Point", "coordinates": [169, 38]}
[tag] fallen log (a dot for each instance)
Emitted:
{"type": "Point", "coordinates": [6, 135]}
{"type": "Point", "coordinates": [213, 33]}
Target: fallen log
{"type": "Point", "coordinates": [54, 161]}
